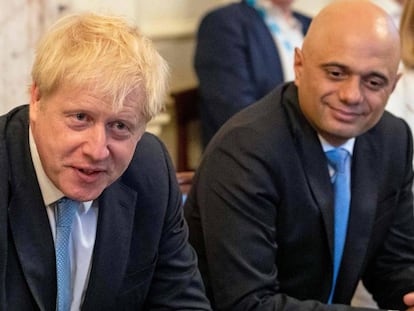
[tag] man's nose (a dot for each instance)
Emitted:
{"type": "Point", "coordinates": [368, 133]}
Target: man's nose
{"type": "Point", "coordinates": [96, 146]}
{"type": "Point", "coordinates": [350, 91]}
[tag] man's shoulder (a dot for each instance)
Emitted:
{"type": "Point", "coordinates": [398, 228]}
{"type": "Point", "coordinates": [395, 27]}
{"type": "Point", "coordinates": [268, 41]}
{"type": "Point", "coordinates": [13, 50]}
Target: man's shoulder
{"type": "Point", "coordinates": [389, 124]}
{"type": "Point", "coordinates": [18, 112]}
{"type": "Point", "coordinates": [150, 161]}
{"type": "Point", "coordinates": [149, 149]}
{"type": "Point", "coordinates": [149, 140]}
{"type": "Point", "coordinates": [261, 122]}
{"type": "Point", "coordinates": [14, 123]}
{"type": "Point", "coordinates": [391, 133]}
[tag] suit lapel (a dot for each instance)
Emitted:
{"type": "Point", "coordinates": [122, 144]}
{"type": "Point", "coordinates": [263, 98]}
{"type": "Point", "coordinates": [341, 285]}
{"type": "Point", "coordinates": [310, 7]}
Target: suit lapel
{"type": "Point", "coordinates": [317, 174]}
{"type": "Point", "coordinates": [364, 193]}
{"type": "Point", "coordinates": [30, 229]}
{"type": "Point", "coordinates": [35, 248]}
{"type": "Point", "coordinates": [314, 161]}
{"type": "Point", "coordinates": [115, 222]}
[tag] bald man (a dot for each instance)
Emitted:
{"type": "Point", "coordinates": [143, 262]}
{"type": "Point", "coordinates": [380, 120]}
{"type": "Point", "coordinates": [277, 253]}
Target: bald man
{"type": "Point", "coordinates": [261, 211]}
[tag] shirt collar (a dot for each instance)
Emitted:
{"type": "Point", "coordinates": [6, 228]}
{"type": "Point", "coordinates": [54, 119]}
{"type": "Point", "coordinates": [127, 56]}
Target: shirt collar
{"type": "Point", "coordinates": [49, 191]}
{"type": "Point", "coordinates": [348, 145]}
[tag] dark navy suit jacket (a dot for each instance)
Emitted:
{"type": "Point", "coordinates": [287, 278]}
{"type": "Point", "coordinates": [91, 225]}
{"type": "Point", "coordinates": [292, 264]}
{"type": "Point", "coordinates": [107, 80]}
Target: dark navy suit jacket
{"type": "Point", "coordinates": [141, 259]}
{"type": "Point", "coordinates": [236, 61]}
{"type": "Point", "coordinates": [261, 213]}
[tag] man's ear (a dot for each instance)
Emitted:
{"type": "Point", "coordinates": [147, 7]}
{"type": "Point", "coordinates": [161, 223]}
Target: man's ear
{"type": "Point", "coordinates": [34, 94]}
{"type": "Point", "coordinates": [298, 65]}
{"type": "Point", "coordinates": [34, 101]}
{"type": "Point", "coordinates": [399, 75]}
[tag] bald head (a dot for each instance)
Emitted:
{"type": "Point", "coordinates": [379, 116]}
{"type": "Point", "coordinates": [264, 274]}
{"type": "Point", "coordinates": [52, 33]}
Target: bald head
{"type": "Point", "coordinates": [353, 20]}
{"type": "Point", "coordinates": [347, 69]}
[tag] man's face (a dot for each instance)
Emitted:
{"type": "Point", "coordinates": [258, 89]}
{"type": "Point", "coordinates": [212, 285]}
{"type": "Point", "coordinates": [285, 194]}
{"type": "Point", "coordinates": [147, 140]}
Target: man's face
{"type": "Point", "coordinates": [83, 144]}
{"type": "Point", "coordinates": [344, 84]}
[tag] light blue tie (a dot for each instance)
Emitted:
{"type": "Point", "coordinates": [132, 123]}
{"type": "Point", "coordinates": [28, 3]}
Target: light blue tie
{"type": "Point", "coordinates": [338, 158]}
{"type": "Point", "coordinates": [65, 211]}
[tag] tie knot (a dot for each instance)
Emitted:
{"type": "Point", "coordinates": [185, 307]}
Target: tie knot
{"type": "Point", "coordinates": [337, 158]}
{"type": "Point", "coordinates": [66, 209]}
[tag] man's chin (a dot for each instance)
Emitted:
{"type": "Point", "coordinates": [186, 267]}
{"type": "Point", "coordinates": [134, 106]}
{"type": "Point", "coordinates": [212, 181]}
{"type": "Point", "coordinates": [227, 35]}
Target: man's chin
{"type": "Point", "coordinates": [84, 194]}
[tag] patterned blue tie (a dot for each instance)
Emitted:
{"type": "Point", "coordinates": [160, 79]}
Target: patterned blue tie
{"type": "Point", "coordinates": [338, 158]}
{"type": "Point", "coordinates": [65, 211]}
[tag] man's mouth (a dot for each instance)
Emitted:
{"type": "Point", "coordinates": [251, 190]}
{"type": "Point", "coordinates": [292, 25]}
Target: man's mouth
{"type": "Point", "coordinates": [88, 172]}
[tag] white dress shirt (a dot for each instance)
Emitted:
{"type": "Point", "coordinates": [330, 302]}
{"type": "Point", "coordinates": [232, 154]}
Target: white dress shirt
{"type": "Point", "coordinates": [83, 232]}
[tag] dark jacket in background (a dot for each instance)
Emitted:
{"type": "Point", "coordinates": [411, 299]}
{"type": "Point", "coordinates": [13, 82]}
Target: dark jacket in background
{"type": "Point", "coordinates": [236, 61]}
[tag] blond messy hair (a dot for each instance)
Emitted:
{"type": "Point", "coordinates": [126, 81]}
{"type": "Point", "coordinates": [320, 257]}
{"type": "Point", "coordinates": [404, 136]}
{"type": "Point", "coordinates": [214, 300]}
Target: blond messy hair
{"type": "Point", "coordinates": [103, 53]}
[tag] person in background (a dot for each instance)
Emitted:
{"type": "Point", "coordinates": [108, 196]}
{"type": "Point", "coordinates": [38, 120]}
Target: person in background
{"type": "Point", "coordinates": [265, 211]}
{"type": "Point", "coordinates": [244, 50]}
{"type": "Point", "coordinates": [401, 102]}
{"type": "Point", "coordinates": [90, 206]}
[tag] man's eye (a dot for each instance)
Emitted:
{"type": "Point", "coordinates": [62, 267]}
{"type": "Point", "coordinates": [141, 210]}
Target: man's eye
{"type": "Point", "coordinates": [375, 84]}
{"type": "Point", "coordinates": [120, 125]}
{"type": "Point", "coordinates": [336, 74]}
{"type": "Point", "coordinates": [120, 130]}
{"type": "Point", "coordinates": [80, 116]}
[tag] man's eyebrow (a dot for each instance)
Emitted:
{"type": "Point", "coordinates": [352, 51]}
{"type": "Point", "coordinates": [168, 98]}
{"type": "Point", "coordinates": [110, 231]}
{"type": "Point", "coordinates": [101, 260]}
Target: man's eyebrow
{"type": "Point", "coordinates": [334, 64]}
